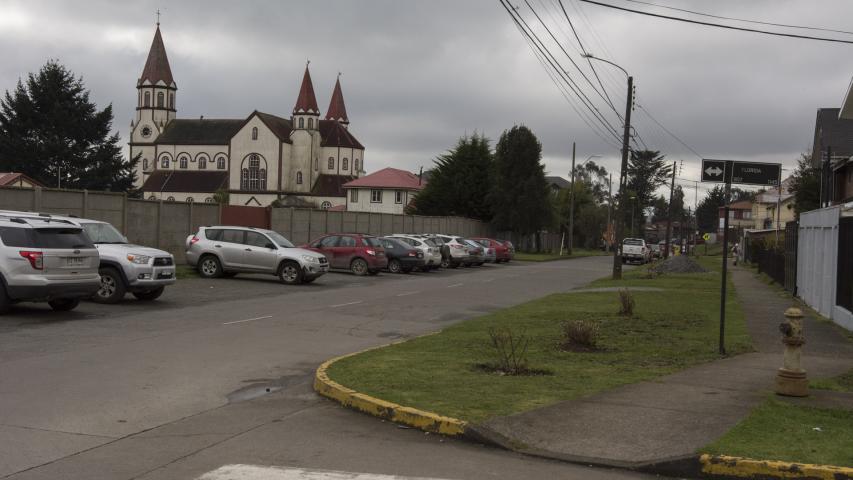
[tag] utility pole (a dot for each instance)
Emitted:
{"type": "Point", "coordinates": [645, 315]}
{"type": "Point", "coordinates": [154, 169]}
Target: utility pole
{"type": "Point", "coordinates": [669, 216]}
{"type": "Point", "coordinates": [572, 205]}
{"type": "Point", "coordinates": [728, 178]}
{"type": "Point", "coordinates": [609, 208]}
{"type": "Point", "coordinates": [617, 257]}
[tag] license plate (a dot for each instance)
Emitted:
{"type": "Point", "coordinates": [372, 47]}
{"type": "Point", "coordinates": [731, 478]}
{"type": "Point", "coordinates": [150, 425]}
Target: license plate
{"type": "Point", "coordinates": [74, 261]}
{"type": "Point", "coordinates": [165, 275]}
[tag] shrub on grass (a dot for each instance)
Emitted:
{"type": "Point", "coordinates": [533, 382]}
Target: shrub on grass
{"type": "Point", "coordinates": [580, 335]}
{"type": "Point", "coordinates": [626, 303]}
{"type": "Point", "coordinates": [510, 351]}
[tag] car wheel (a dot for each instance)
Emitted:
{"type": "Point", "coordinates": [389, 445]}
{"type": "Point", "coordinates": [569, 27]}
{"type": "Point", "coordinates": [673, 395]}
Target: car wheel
{"type": "Point", "coordinates": [358, 267]}
{"type": "Point", "coordinates": [149, 295]}
{"type": "Point", "coordinates": [445, 263]}
{"type": "Point", "coordinates": [209, 267]}
{"type": "Point", "coordinates": [64, 304]}
{"type": "Point", "coordinates": [112, 287]}
{"type": "Point", "coordinates": [290, 273]}
{"type": "Point", "coordinates": [5, 304]}
{"type": "Point", "coordinates": [394, 266]}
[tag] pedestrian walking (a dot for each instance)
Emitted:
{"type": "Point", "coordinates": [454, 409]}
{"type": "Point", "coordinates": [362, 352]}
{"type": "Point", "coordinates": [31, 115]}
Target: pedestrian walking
{"type": "Point", "coordinates": [736, 251]}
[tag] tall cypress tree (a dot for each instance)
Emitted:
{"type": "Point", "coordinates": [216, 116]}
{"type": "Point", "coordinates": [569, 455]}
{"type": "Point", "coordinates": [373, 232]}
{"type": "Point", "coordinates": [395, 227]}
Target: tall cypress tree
{"type": "Point", "coordinates": [520, 196]}
{"type": "Point", "coordinates": [52, 132]}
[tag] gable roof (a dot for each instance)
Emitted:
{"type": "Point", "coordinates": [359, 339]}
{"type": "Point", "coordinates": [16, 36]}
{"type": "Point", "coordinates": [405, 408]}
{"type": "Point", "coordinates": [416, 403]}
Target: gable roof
{"type": "Point", "coordinates": [199, 132]}
{"type": "Point", "coordinates": [157, 65]}
{"type": "Point", "coordinates": [185, 181]}
{"type": "Point", "coordinates": [9, 178]}
{"type": "Point", "coordinates": [740, 205]}
{"type": "Point", "coordinates": [281, 127]}
{"type": "Point", "coordinates": [336, 135]}
{"type": "Point", "coordinates": [337, 110]}
{"type": "Point", "coordinates": [832, 132]}
{"type": "Point", "coordinates": [306, 102]}
{"type": "Point", "coordinates": [558, 182]}
{"type": "Point", "coordinates": [388, 178]}
{"type": "Point", "coordinates": [330, 185]}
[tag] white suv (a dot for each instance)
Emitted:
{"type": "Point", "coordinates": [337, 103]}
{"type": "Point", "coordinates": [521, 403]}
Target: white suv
{"type": "Point", "coordinates": [44, 259]}
{"type": "Point", "coordinates": [430, 249]}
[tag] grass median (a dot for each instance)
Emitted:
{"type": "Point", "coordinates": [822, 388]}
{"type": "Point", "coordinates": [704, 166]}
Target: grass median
{"type": "Point", "coordinates": [550, 257]}
{"type": "Point", "coordinates": [670, 330]}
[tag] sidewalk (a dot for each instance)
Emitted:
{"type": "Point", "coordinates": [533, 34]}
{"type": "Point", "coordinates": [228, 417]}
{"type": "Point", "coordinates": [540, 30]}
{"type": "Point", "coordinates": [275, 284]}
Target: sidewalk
{"type": "Point", "coordinates": [669, 419]}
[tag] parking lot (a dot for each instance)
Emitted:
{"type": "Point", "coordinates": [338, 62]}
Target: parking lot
{"type": "Point", "coordinates": [75, 383]}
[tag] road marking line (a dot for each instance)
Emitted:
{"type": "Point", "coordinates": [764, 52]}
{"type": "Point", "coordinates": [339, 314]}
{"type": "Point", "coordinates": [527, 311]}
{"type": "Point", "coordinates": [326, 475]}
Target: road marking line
{"type": "Point", "coordinates": [257, 472]}
{"type": "Point", "coordinates": [248, 320]}
{"type": "Point", "coordinates": [408, 293]}
{"type": "Point", "coordinates": [345, 304]}
{"type": "Point", "coordinates": [455, 285]}
{"type": "Point", "coordinates": [488, 280]}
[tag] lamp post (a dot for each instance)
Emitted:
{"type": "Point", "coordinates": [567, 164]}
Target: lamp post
{"type": "Point", "coordinates": [572, 199]}
{"type": "Point", "coordinates": [617, 260]}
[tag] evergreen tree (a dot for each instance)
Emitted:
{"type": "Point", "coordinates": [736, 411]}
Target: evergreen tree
{"type": "Point", "coordinates": [647, 171]}
{"type": "Point", "coordinates": [520, 196]}
{"type": "Point", "coordinates": [805, 185]}
{"type": "Point", "coordinates": [50, 131]}
{"type": "Point", "coordinates": [460, 183]}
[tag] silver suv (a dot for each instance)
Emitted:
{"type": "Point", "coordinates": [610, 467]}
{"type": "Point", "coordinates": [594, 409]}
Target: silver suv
{"type": "Point", "coordinates": [44, 259]}
{"type": "Point", "coordinates": [226, 251]}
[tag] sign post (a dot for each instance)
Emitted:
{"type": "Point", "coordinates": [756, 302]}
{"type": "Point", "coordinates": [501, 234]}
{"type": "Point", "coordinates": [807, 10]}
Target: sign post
{"type": "Point", "coordinates": [744, 173]}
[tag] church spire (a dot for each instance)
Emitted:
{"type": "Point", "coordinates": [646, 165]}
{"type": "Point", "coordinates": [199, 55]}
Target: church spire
{"type": "Point", "coordinates": [337, 110]}
{"type": "Point", "coordinates": [306, 103]}
{"type": "Point", "coordinates": [157, 65]}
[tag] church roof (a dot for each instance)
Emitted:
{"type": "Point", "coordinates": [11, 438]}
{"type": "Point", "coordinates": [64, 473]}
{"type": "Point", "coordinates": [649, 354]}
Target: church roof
{"type": "Point", "coordinates": [199, 132]}
{"type": "Point", "coordinates": [281, 127]}
{"type": "Point", "coordinates": [388, 178]}
{"type": "Point", "coordinates": [185, 181]}
{"type": "Point", "coordinates": [337, 110]}
{"type": "Point", "coordinates": [306, 102]}
{"type": "Point", "coordinates": [335, 135]}
{"type": "Point", "coordinates": [330, 185]}
{"type": "Point", "coordinates": [157, 65]}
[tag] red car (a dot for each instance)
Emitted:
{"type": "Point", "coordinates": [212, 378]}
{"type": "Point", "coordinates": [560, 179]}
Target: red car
{"type": "Point", "coordinates": [361, 254]}
{"type": "Point", "coordinates": [502, 251]}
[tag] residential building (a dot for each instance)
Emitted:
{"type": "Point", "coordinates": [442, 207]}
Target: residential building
{"type": "Point", "coordinates": [264, 158]}
{"type": "Point", "coordinates": [13, 179]}
{"type": "Point", "coordinates": [740, 216]}
{"type": "Point", "coordinates": [555, 184]}
{"type": "Point", "coordinates": [388, 190]}
{"type": "Point", "coordinates": [764, 212]}
{"type": "Point", "coordinates": [832, 151]}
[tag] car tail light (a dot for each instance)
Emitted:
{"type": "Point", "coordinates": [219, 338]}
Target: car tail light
{"type": "Point", "coordinates": [413, 253]}
{"type": "Point", "coordinates": [372, 253]}
{"type": "Point", "coordinates": [36, 259]}
{"type": "Point", "coordinates": [193, 240]}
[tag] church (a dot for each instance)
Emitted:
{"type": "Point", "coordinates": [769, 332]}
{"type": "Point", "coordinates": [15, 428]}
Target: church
{"type": "Point", "coordinates": [299, 161]}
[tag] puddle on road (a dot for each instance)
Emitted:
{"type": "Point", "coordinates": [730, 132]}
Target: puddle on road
{"type": "Point", "coordinates": [261, 387]}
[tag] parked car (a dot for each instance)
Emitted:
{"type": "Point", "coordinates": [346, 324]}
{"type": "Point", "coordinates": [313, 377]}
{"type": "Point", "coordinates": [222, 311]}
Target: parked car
{"type": "Point", "coordinates": [46, 260]}
{"type": "Point", "coordinates": [501, 251]}
{"type": "Point", "coordinates": [635, 249]}
{"type": "Point", "coordinates": [430, 248]}
{"type": "Point", "coordinates": [402, 257]}
{"type": "Point", "coordinates": [225, 251]}
{"type": "Point", "coordinates": [510, 248]}
{"type": "Point", "coordinates": [476, 253]}
{"type": "Point", "coordinates": [359, 253]}
{"type": "Point", "coordinates": [457, 251]}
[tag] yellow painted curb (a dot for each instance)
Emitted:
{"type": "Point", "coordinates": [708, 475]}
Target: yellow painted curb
{"type": "Point", "coordinates": [749, 468]}
{"type": "Point", "coordinates": [427, 421]}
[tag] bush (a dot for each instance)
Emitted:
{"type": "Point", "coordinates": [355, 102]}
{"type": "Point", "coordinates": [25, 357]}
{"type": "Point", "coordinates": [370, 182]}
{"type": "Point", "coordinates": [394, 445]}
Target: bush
{"type": "Point", "coordinates": [580, 335]}
{"type": "Point", "coordinates": [626, 302]}
{"type": "Point", "coordinates": [510, 350]}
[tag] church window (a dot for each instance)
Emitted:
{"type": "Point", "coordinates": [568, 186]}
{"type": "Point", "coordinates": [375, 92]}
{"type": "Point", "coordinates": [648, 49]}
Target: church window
{"type": "Point", "coordinates": [326, 205]}
{"type": "Point", "coordinates": [376, 196]}
{"type": "Point", "coordinates": [331, 163]}
{"type": "Point", "coordinates": [208, 200]}
{"type": "Point", "coordinates": [170, 199]}
{"type": "Point", "coordinates": [190, 200]}
{"type": "Point", "coordinates": [160, 99]}
{"type": "Point", "coordinates": [220, 163]}
{"type": "Point", "coordinates": [301, 122]}
{"type": "Point", "coordinates": [202, 162]}
{"type": "Point", "coordinates": [254, 133]}
{"type": "Point", "coordinates": [310, 123]}
{"type": "Point", "coordinates": [147, 101]}
{"type": "Point", "coordinates": [254, 177]}
{"type": "Point", "coordinates": [172, 101]}
{"type": "Point", "coordinates": [353, 195]}
{"type": "Point", "coordinates": [355, 166]}
{"type": "Point", "coordinates": [345, 164]}
{"type": "Point", "coordinates": [164, 161]}
{"type": "Point", "coordinates": [299, 178]}
{"type": "Point", "coordinates": [183, 161]}
{"type": "Point", "coordinates": [152, 197]}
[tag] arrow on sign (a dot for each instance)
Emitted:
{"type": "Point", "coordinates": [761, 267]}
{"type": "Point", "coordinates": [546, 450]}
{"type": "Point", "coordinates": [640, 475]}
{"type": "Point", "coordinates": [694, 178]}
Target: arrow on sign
{"type": "Point", "coordinates": [713, 171]}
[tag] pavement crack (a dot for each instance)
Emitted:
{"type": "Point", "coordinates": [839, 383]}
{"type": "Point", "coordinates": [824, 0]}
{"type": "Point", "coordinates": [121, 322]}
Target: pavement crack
{"type": "Point", "coordinates": [23, 427]}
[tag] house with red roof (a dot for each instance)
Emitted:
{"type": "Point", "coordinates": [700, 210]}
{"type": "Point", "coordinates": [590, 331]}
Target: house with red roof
{"type": "Point", "coordinates": [388, 190]}
{"type": "Point", "coordinates": [13, 179]}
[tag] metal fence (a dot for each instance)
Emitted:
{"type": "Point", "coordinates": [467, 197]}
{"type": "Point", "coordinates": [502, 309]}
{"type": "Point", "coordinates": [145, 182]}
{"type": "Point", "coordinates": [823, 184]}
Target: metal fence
{"type": "Point", "coordinates": [771, 262]}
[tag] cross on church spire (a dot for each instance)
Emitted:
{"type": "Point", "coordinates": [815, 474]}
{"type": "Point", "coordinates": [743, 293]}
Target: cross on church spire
{"type": "Point", "coordinates": [158, 17]}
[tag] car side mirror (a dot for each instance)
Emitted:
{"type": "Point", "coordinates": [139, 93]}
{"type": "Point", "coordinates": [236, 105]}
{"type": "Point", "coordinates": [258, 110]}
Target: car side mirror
{"type": "Point", "coordinates": [271, 246]}
{"type": "Point", "coordinates": [316, 245]}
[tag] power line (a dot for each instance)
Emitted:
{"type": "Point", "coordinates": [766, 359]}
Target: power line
{"type": "Point", "coordinates": [739, 19]}
{"type": "Point", "coordinates": [641, 107]}
{"type": "Point", "coordinates": [718, 25]}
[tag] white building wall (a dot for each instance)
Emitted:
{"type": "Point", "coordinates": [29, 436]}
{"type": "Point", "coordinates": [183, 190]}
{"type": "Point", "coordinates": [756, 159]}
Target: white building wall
{"type": "Point", "coordinates": [267, 146]}
{"type": "Point", "coordinates": [191, 152]}
{"type": "Point", "coordinates": [388, 204]}
{"type": "Point", "coordinates": [180, 197]}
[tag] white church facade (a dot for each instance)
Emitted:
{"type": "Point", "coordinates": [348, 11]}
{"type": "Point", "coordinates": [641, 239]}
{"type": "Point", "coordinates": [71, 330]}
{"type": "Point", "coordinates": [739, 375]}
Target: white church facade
{"type": "Point", "coordinates": [302, 160]}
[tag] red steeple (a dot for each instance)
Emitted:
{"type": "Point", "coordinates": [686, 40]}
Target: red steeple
{"type": "Point", "coordinates": [157, 65]}
{"type": "Point", "coordinates": [337, 110]}
{"type": "Point", "coordinates": [306, 102]}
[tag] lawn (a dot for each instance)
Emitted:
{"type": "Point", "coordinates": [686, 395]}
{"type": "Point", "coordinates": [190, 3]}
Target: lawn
{"type": "Point", "coordinates": [780, 431]}
{"type": "Point", "coordinates": [185, 271]}
{"type": "Point", "coordinates": [671, 330]}
{"type": "Point", "coordinates": [548, 257]}
{"type": "Point", "coordinates": [841, 383]}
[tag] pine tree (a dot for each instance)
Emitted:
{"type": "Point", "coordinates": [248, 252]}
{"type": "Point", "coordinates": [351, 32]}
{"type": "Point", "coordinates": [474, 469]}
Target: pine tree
{"type": "Point", "coordinates": [805, 185]}
{"type": "Point", "coordinates": [50, 131]}
{"type": "Point", "coordinates": [520, 196]}
{"type": "Point", "coordinates": [460, 182]}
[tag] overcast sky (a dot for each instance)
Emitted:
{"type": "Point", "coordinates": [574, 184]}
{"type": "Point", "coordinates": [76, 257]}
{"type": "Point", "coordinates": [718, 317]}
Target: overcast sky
{"type": "Point", "coordinates": [418, 75]}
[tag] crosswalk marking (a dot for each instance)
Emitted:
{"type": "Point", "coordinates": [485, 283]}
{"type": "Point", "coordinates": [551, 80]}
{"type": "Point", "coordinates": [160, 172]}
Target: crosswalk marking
{"type": "Point", "coordinates": [257, 472]}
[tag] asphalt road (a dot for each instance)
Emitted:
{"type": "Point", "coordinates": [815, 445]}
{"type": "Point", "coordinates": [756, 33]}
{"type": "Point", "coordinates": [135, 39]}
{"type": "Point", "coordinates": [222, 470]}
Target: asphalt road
{"type": "Point", "coordinates": [218, 372]}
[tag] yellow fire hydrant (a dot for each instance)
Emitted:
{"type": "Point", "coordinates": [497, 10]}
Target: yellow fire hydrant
{"type": "Point", "coordinates": [791, 379]}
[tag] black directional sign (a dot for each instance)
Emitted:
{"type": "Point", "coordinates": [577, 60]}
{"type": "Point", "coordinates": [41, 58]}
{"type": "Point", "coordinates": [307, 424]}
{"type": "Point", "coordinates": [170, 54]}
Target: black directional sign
{"type": "Point", "coordinates": [743, 173]}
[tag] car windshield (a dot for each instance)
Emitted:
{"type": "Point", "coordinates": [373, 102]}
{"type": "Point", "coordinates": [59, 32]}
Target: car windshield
{"type": "Point", "coordinates": [372, 242]}
{"type": "Point", "coordinates": [632, 241]}
{"type": "Point", "coordinates": [431, 242]}
{"type": "Point", "coordinates": [279, 239]}
{"type": "Point", "coordinates": [103, 233]}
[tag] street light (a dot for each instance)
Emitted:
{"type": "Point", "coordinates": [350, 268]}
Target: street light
{"type": "Point", "coordinates": [572, 199]}
{"type": "Point", "coordinates": [617, 260]}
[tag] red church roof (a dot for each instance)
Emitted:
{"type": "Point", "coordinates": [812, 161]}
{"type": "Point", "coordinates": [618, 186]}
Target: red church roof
{"type": "Point", "coordinates": [337, 110]}
{"type": "Point", "coordinates": [306, 102]}
{"type": "Point", "coordinates": [388, 178]}
{"type": "Point", "coordinates": [157, 66]}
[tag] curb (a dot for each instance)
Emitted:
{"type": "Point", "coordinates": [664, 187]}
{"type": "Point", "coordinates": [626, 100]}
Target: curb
{"type": "Point", "coordinates": [412, 417]}
{"type": "Point", "coordinates": [737, 467]}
